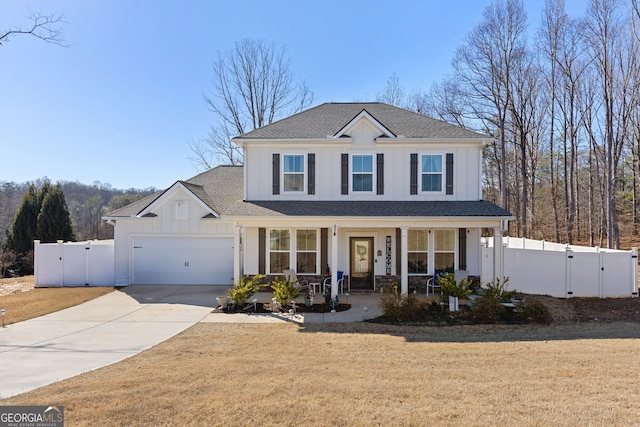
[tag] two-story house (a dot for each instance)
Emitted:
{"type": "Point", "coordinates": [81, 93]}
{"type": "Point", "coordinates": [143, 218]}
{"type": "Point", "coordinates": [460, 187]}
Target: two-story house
{"type": "Point", "coordinates": [373, 191]}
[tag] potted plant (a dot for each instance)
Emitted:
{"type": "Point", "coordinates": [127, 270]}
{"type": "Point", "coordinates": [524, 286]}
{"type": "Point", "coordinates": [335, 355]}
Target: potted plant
{"type": "Point", "coordinates": [244, 288]}
{"type": "Point", "coordinates": [454, 291]}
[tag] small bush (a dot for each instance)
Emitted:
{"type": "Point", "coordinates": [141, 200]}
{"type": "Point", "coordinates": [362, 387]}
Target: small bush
{"type": "Point", "coordinates": [449, 286]}
{"type": "Point", "coordinates": [488, 309]}
{"type": "Point", "coordinates": [244, 288]}
{"type": "Point", "coordinates": [284, 290]}
{"type": "Point", "coordinates": [535, 312]}
{"type": "Point", "coordinates": [402, 308]}
{"type": "Point", "coordinates": [498, 290]}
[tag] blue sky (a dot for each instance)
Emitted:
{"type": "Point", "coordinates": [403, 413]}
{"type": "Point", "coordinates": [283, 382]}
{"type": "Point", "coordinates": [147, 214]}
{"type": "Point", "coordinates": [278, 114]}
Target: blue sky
{"type": "Point", "coordinates": [121, 103]}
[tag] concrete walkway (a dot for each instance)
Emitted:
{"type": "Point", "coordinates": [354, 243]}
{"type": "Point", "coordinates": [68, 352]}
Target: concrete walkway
{"type": "Point", "coordinates": [363, 306]}
{"type": "Point", "coordinates": [97, 333]}
{"type": "Point", "coordinates": [113, 327]}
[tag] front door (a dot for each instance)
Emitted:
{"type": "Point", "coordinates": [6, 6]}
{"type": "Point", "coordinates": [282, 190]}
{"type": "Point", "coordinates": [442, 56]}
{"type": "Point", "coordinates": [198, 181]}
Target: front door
{"type": "Point", "coordinates": [361, 256]}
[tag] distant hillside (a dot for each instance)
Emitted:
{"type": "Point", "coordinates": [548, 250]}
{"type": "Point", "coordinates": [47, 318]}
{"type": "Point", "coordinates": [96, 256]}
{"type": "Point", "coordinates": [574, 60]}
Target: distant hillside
{"type": "Point", "coordinates": [86, 203]}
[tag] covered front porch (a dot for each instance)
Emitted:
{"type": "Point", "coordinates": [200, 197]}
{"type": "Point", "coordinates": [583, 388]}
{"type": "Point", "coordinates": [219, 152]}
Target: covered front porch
{"type": "Point", "coordinates": [367, 254]}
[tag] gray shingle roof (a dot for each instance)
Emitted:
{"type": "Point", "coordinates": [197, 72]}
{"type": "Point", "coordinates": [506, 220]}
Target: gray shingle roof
{"type": "Point", "coordinates": [330, 118]}
{"type": "Point", "coordinates": [481, 208]}
{"type": "Point", "coordinates": [218, 188]}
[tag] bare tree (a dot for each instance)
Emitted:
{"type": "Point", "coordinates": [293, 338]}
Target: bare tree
{"type": "Point", "coordinates": [484, 67]}
{"type": "Point", "coordinates": [47, 28]}
{"type": "Point", "coordinates": [393, 93]}
{"type": "Point", "coordinates": [253, 86]}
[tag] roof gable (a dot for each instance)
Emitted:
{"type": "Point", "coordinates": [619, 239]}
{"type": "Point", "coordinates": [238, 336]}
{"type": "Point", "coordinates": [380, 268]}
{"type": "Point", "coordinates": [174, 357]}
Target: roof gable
{"type": "Point", "coordinates": [216, 189]}
{"type": "Point", "coordinates": [364, 115]}
{"type": "Point", "coordinates": [327, 120]}
{"type": "Point", "coordinates": [196, 192]}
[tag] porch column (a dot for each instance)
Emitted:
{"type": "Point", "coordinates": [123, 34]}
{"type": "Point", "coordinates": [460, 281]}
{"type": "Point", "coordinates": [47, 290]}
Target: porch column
{"type": "Point", "coordinates": [498, 252]}
{"type": "Point", "coordinates": [237, 253]}
{"type": "Point", "coordinates": [404, 262]}
{"type": "Point", "coordinates": [334, 261]}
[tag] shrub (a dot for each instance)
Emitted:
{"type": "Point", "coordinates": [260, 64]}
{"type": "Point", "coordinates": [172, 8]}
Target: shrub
{"type": "Point", "coordinates": [284, 290]}
{"type": "Point", "coordinates": [402, 308]}
{"type": "Point", "coordinates": [449, 286]}
{"type": "Point", "coordinates": [498, 289]}
{"type": "Point", "coordinates": [244, 288]}
{"type": "Point", "coordinates": [488, 309]}
{"type": "Point", "coordinates": [535, 312]}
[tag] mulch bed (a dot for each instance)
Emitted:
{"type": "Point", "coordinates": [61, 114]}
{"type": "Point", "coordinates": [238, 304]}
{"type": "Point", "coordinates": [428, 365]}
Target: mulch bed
{"type": "Point", "coordinates": [266, 308]}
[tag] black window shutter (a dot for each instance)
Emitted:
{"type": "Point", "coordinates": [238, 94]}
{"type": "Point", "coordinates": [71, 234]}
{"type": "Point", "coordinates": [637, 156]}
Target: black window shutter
{"type": "Point", "coordinates": [398, 252]}
{"type": "Point", "coordinates": [276, 173]}
{"type": "Point", "coordinates": [262, 247]}
{"type": "Point", "coordinates": [311, 177]}
{"type": "Point", "coordinates": [462, 249]}
{"type": "Point", "coordinates": [380, 174]}
{"type": "Point", "coordinates": [449, 166]}
{"type": "Point", "coordinates": [324, 250]}
{"type": "Point", "coordinates": [414, 174]}
{"type": "Point", "coordinates": [344, 170]}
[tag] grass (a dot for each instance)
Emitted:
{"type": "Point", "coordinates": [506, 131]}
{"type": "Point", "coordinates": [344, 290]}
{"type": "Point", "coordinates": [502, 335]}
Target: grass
{"type": "Point", "coordinates": [40, 301]}
{"type": "Point", "coordinates": [357, 374]}
{"type": "Point", "coordinates": [364, 374]}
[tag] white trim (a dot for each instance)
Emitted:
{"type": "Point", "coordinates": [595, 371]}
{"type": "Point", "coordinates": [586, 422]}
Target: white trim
{"type": "Point", "coordinates": [373, 173]}
{"type": "Point", "coordinates": [168, 193]}
{"type": "Point", "coordinates": [283, 173]}
{"type": "Point", "coordinates": [364, 114]}
{"type": "Point", "coordinates": [443, 173]}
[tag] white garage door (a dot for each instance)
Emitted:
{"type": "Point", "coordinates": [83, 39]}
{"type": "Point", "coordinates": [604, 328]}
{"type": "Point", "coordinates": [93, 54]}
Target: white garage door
{"type": "Point", "coordinates": [182, 261]}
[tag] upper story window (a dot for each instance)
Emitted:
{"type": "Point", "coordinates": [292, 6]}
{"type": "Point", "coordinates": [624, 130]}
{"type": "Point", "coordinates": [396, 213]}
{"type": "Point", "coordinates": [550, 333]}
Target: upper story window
{"type": "Point", "coordinates": [362, 173]}
{"type": "Point", "coordinates": [431, 173]}
{"type": "Point", "coordinates": [293, 172]}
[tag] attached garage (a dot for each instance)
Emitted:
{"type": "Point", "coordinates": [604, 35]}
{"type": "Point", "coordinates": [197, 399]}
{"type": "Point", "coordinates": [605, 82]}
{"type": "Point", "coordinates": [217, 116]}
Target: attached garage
{"type": "Point", "coordinates": [182, 261]}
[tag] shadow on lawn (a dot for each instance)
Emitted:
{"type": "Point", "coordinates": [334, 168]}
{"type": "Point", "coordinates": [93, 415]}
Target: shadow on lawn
{"type": "Point", "coordinates": [486, 333]}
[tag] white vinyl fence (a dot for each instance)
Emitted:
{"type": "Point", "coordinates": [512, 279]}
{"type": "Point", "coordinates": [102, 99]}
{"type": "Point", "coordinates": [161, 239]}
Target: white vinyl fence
{"type": "Point", "coordinates": [89, 263]}
{"type": "Point", "coordinates": [543, 268]}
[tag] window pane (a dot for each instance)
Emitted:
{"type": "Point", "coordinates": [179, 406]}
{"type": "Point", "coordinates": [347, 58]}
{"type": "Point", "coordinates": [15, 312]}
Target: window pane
{"type": "Point", "coordinates": [431, 182]}
{"type": "Point", "coordinates": [294, 182]}
{"type": "Point", "coordinates": [306, 240]}
{"type": "Point", "coordinates": [445, 240]}
{"type": "Point", "coordinates": [306, 262]}
{"type": "Point", "coordinates": [279, 240]}
{"type": "Point", "coordinates": [293, 163]}
{"type": "Point", "coordinates": [444, 262]}
{"type": "Point", "coordinates": [417, 263]}
{"type": "Point", "coordinates": [362, 182]}
{"type": "Point", "coordinates": [363, 164]}
{"type": "Point", "coordinates": [278, 262]}
{"type": "Point", "coordinates": [432, 163]}
{"type": "Point", "coordinates": [417, 240]}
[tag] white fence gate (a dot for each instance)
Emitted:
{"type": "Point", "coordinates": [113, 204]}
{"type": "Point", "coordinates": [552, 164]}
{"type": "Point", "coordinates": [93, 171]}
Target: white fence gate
{"type": "Point", "coordinates": [543, 268]}
{"type": "Point", "coordinates": [74, 263]}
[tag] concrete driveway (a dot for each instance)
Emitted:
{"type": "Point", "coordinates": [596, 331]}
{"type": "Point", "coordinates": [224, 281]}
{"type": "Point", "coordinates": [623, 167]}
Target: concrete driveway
{"type": "Point", "coordinates": [97, 333]}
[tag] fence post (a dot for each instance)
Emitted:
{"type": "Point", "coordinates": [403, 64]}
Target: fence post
{"type": "Point", "coordinates": [634, 272]}
{"type": "Point", "coordinates": [61, 259]}
{"type": "Point", "coordinates": [568, 285]}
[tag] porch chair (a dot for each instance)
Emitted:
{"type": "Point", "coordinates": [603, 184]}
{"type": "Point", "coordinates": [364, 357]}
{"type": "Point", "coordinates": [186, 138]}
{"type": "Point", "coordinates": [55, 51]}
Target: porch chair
{"type": "Point", "coordinates": [327, 283]}
{"type": "Point", "coordinates": [432, 283]}
{"type": "Point", "coordinates": [303, 285]}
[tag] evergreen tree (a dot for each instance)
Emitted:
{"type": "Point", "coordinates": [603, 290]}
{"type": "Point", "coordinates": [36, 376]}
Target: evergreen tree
{"type": "Point", "coordinates": [54, 222]}
{"type": "Point", "coordinates": [42, 215]}
{"type": "Point", "coordinates": [25, 224]}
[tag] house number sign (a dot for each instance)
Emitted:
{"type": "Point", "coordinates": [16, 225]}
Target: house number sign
{"type": "Point", "coordinates": [388, 255]}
